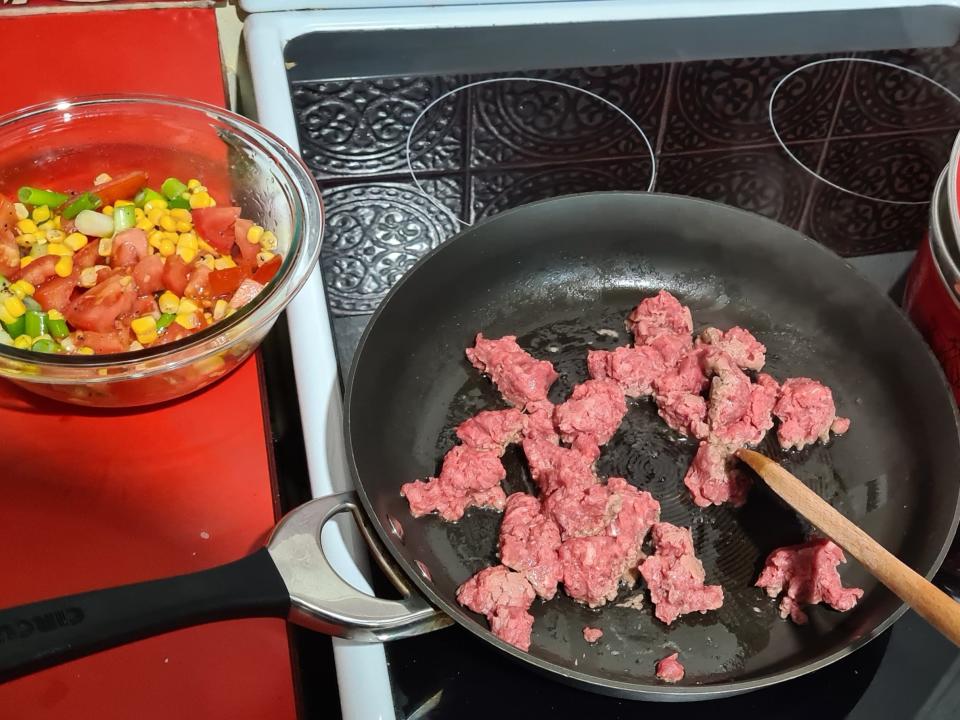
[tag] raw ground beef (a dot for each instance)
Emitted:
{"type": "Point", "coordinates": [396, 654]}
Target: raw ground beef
{"type": "Point", "coordinates": [492, 430]}
{"type": "Point", "coordinates": [672, 347]}
{"type": "Point", "coordinates": [684, 412]}
{"type": "Point", "coordinates": [592, 569]}
{"type": "Point", "coordinates": [581, 510]}
{"type": "Point", "coordinates": [807, 575]}
{"type": "Point", "coordinates": [806, 413]}
{"type": "Point", "coordinates": [504, 597]}
{"type": "Point", "coordinates": [592, 634]}
{"type": "Point", "coordinates": [669, 669]}
{"type": "Point", "coordinates": [687, 376]}
{"type": "Point", "coordinates": [675, 577]}
{"type": "Point", "coordinates": [713, 477]}
{"type": "Point", "coordinates": [519, 376]}
{"type": "Point", "coordinates": [594, 410]}
{"type": "Point", "coordinates": [740, 344]}
{"type": "Point", "coordinates": [529, 543]}
{"type": "Point", "coordinates": [754, 402]}
{"type": "Point", "coordinates": [538, 422]}
{"type": "Point", "coordinates": [552, 466]}
{"type": "Point", "coordinates": [633, 368]}
{"type": "Point", "coordinates": [661, 314]}
{"type": "Point", "coordinates": [467, 477]}
{"type": "Point", "coordinates": [638, 512]}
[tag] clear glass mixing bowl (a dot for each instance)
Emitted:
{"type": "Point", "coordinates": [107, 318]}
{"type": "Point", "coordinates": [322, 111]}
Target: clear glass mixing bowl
{"type": "Point", "coordinates": [67, 143]}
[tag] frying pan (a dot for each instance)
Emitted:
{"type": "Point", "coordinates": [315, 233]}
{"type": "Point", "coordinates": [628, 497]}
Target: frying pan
{"type": "Point", "coordinates": [554, 273]}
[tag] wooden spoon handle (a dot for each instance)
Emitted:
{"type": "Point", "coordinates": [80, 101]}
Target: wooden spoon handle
{"type": "Point", "coordinates": [938, 608]}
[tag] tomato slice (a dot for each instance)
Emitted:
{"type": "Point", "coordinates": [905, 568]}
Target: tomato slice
{"type": "Point", "coordinates": [123, 187]}
{"type": "Point", "coordinates": [224, 282]}
{"type": "Point", "coordinates": [55, 294]}
{"type": "Point", "coordinates": [199, 284]}
{"type": "Point", "coordinates": [266, 272]}
{"type": "Point", "coordinates": [8, 214]}
{"type": "Point", "coordinates": [39, 271]}
{"type": "Point", "coordinates": [87, 256]}
{"type": "Point", "coordinates": [174, 331]}
{"type": "Point", "coordinates": [129, 247]}
{"type": "Point", "coordinates": [215, 225]}
{"type": "Point", "coordinates": [103, 342]}
{"type": "Point", "coordinates": [145, 305]}
{"type": "Point", "coordinates": [9, 254]}
{"type": "Point", "coordinates": [100, 306]}
{"type": "Point", "coordinates": [148, 274]}
{"type": "Point", "coordinates": [248, 250]}
{"type": "Point", "coordinates": [176, 273]}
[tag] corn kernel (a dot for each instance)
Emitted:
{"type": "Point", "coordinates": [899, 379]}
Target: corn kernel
{"type": "Point", "coordinates": [14, 305]}
{"type": "Point", "coordinates": [55, 314]}
{"type": "Point", "coordinates": [187, 254]}
{"type": "Point", "coordinates": [268, 241]}
{"type": "Point", "coordinates": [56, 222]}
{"type": "Point", "coordinates": [208, 261]}
{"type": "Point", "coordinates": [187, 306]}
{"type": "Point", "coordinates": [264, 257]}
{"type": "Point", "coordinates": [135, 345]}
{"type": "Point", "coordinates": [220, 309]}
{"type": "Point", "coordinates": [201, 199]}
{"type": "Point", "coordinates": [41, 213]}
{"type": "Point", "coordinates": [155, 216]}
{"type": "Point", "coordinates": [108, 210]}
{"type": "Point", "coordinates": [23, 342]}
{"type": "Point", "coordinates": [155, 204]}
{"type": "Point", "coordinates": [181, 214]}
{"type": "Point", "coordinates": [224, 263]}
{"type": "Point", "coordinates": [208, 317]}
{"type": "Point", "coordinates": [154, 238]}
{"type": "Point", "coordinates": [183, 227]}
{"type": "Point", "coordinates": [67, 344]}
{"type": "Point", "coordinates": [56, 248]}
{"type": "Point", "coordinates": [168, 302]}
{"type": "Point", "coordinates": [171, 236]}
{"type": "Point", "coordinates": [53, 235]}
{"type": "Point", "coordinates": [254, 234]}
{"type": "Point", "coordinates": [21, 288]}
{"type": "Point", "coordinates": [144, 225]}
{"type": "Point", "coordinates": [189, 240]}
{"type": "Point", "coordinates": [138, 214]}
{"type": "Point", "coordinates": [167, 223]}
{"type": "Point", "coordinates": [122, 203]}
{"type": "Point", "coordinates": [167, 247]}
{"type": "Point", "coordinates": [29, 240]}
{"type": "Point", "coordinates": [75, 241]}
{"type": "Point", "coordinates": [24, 261]}
{"type": "Point", "coordinates": [143, 324]}
{"type": "Point", "coordinates": [5, 317]}
{"type": "Point", "coordinates": [85, 350]}
{"type": "Point", "coordinates": [21, 210]}
{"type": "Point", "coordinates": [193, 184]}
{"type": "Point", "coordinates": [187, 320]}
{"type": "Point", "coordinates": [88, 276]}
{"type": "Point", "coordinates": [101, 179]}
{"type": "Point", "coordinates": [64, 266]}
{"type": "Point", "coordinates": [204, 245]}
{"type": "Point", "coordinates": [105, 247]}
{"type": "Point", "coordinates": [27, 226]}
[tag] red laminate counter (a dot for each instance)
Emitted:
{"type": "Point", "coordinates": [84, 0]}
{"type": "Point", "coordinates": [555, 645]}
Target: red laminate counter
{"type": "Point", "coordinates": [89, 498]}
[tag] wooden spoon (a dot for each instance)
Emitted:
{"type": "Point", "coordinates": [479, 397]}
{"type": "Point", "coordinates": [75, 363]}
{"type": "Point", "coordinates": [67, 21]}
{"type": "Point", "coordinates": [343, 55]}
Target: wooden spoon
{"type": "Point", "coordinates": [935, 606]}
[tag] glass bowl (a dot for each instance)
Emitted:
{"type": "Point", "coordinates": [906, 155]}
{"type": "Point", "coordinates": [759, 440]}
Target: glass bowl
{"type": "Point", "coordinates": [66, 144]}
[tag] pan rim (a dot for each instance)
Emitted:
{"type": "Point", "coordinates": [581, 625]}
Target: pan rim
{"type": "Point", "coordinates": [636, 690]}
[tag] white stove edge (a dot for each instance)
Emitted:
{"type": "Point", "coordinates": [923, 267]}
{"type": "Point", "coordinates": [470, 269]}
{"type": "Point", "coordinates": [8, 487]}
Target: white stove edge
{"type": "Point", "coordinates": [362, 674]}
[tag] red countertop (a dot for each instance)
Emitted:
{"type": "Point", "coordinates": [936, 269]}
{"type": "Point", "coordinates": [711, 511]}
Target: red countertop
{"type": "Point", "coordinates": [90, 499]}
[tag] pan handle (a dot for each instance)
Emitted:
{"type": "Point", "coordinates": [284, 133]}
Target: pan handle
{"type": "Point", "coordinates": [49, 632]}
{"type": "Point", "coordinates": [322, 600]}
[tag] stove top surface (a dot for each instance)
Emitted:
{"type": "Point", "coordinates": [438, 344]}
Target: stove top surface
{"type": "Point", "coordinates": [881, 133]}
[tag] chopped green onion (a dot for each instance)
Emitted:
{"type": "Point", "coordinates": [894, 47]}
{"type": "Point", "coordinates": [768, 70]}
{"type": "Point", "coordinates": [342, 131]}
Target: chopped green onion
{"type": "Point", "coordinates": [90, 222]}
{"type": "Point", "coordinates": [86, 201]}
{"type": "Point", "coordinates": [36, 323]}
{"type": "Point", "coordinates": [44, 345]}
{"type": "Point", "coordinates": [123, 217]}
{"type": "Point", "coordinates": [16, 327]}
{"type": "Point", "coordinates": [165, 320]}
{"type": "Point", "coordinates": [38, 250]}
{"type": "Point", "coordinates": [145, 196]}
{"type": "Point", "coordinates": [35, 196]}
{"type": "Point", "coordinates": [30, 304]}
{"type": "Point", "coordinates": [172, 188]}
{"type": "Point", "coordinates": [58, 328]}
{"type": "Point", "coordinates": [178, 202]}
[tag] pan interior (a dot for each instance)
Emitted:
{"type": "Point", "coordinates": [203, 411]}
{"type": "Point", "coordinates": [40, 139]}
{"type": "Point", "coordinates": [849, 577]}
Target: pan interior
{"type": "Point", "coordinates": [554, 274]}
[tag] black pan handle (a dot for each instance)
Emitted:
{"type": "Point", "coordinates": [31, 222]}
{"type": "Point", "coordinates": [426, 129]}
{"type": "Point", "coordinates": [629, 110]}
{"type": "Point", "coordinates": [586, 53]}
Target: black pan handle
{"type": "Point", "coordinates": [49, 632]}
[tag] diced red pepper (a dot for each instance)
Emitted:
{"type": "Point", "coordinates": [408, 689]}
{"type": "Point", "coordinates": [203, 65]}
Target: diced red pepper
{"type": "Point", "coordinates": [123, 187]}
{"type": "Point", "coordinates": [266, 272]}
{"type": "Point", "coordinates": [225, 282]}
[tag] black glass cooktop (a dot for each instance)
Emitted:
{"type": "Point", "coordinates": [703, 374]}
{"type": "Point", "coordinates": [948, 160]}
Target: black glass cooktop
{"type": "Point", "coordinates": [881, 133]}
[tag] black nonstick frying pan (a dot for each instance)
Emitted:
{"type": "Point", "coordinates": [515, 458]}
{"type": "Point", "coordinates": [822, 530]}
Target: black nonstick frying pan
{"type": "Point", "coordinates": [554, 273]}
